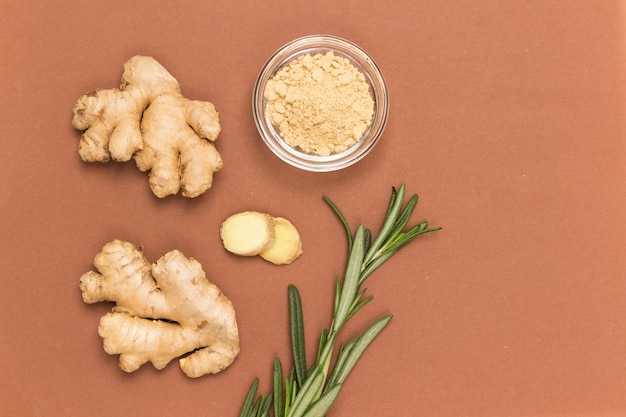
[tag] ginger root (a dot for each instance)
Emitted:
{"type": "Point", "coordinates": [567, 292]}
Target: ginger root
{"type": "Point", "coordinates": [163, 311]}
{"type": "Point", "coordinates": [251, 233]}
{"type": "Point", "coordinates": [148, 119]}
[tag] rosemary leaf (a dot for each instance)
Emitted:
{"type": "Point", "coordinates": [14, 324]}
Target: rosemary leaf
{"type": "Point", "coordinates": [357, 347]}
{"type": "Point", "coordinates": [343, 220]}
{"type": "Point", "coordinates": [404, 217]}
{"type": "Point", "coordinates": [337, 294]}
{"type": "Point", "coordinates": [297, 334]}
{"type": "Point", "coordinates": [322, 343]}
{"type": "Point", "coordinates": [351, 279]}
{"type": "Point", "coordinates": [261, 407]}
{"type": "Point", "coordinates": [307, 393]}
{"type": "Point", "coordinates": [246, 409]}
{"type": "Point", "coordinates": [359, 306]}
{"type": "Point", "coordinates": [395, 204]}
{"type": "Point", "coordinates": [375, 264]}
{"type": "Point", "coordinates": [290, 391]}
{"type": "Point", "coordinates": [279, 407]}
{"type": "Point", "coordinates": [368, 240]}
{"type": "Point", "coordinates": [320, 407]}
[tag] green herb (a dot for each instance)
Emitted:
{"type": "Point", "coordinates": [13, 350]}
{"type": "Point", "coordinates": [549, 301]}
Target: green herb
{"type": "Point", "coordinates": [310, 390]}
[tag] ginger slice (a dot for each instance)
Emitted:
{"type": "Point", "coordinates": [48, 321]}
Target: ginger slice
{"type": "Point", "coordinates": [163, 311]}
{"type": "Point", "coordinates": [247, 233]}
{"type": "Point", "coordinates": [149, 120]}
{"type": "Point", "coordinates": [251, 233]}
{"type": "Point", "coordinates": [287, 245]}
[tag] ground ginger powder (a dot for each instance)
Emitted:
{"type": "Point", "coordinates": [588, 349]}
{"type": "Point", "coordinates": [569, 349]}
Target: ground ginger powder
{"type": "Point", "coordinates": [321, 104]}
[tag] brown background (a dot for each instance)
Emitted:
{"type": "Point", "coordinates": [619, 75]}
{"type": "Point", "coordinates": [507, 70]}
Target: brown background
{"type": "Point", "coordinates": [507, 117]}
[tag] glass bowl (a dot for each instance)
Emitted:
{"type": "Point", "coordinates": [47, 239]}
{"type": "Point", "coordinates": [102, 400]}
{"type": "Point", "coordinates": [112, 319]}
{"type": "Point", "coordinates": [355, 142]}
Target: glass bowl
{"type": "Point", "coordinates": [363, 62]}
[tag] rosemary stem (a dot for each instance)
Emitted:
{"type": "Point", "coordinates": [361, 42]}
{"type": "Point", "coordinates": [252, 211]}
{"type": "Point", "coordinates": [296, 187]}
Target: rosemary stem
{"type": "Point", "coordinates": [310, 391]}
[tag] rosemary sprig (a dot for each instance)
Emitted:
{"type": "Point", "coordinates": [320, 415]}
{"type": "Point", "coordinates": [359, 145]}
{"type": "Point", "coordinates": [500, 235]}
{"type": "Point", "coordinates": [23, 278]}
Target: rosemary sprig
{"type": "Point", "coordinates": [310, 391]}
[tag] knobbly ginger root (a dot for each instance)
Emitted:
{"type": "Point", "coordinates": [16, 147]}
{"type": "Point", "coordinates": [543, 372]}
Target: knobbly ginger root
{"type": "Point", "coordinates": [163, 311]}
{"type": "Point", "coordinates": [251, 233]}
{"type": "Point", "coordinates": [148, 119]}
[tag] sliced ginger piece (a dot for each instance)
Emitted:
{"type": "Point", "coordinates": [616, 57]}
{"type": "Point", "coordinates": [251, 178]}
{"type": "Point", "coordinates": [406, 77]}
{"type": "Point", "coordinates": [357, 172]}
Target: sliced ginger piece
{"type": "Point", "coordinates": [252, 233]}
{"type": "Point", "coordinates": [248, 233]}
{"type": "Point", "coordinates": [287, 245]}
{"type": "Point", "coordinates": [163, 311]}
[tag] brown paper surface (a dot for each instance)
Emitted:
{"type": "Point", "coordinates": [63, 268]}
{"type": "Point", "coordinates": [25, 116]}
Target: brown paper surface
{"type": "Point", "coordinates": [507, 118]}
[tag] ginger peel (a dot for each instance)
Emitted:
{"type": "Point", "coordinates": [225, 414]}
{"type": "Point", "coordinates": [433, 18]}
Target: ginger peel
{"type": "Point", "coordinates": [149, 120]}
{"type": "Point", "coordinates": [163, 311]}
{"type": "Point", "coordinates": [252, 233]}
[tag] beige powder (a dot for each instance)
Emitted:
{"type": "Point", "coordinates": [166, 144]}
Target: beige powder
{"type": "Point", "coordinates": [321, 104]}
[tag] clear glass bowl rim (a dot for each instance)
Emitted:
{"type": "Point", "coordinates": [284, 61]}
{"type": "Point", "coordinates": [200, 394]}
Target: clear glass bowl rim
{"type": "Point", "coordinates": [363, 61]}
